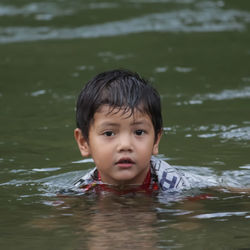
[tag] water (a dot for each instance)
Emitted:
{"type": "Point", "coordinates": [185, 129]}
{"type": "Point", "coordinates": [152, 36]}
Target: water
{"type": "Point", "coordinates": [196, 53]}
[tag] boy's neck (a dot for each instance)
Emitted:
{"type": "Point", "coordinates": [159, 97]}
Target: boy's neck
{"type": "Point", "coordinates": [123, 186]}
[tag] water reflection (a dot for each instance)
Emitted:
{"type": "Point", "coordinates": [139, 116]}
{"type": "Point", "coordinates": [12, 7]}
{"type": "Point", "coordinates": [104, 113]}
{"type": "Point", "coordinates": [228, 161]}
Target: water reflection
{"type": "Point", "coordinates": [134, 221]}
{"type": "Point", "coordinates": [122, 223]}
{"type": "Point", "coordinates": [106, 221]}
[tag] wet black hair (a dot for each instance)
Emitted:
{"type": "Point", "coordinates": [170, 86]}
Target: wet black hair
{"type": "Point", "coordinates": [120, 89]}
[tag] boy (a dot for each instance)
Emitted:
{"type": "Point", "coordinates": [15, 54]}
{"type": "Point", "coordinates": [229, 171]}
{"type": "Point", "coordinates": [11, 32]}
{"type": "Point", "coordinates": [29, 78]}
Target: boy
{"type": "Point", "coordinates": [119, 124]}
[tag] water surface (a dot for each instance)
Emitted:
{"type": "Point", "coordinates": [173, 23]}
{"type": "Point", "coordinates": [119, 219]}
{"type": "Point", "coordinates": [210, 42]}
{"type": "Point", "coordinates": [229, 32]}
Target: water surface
{"type": "Point", "coordinates": [196, 53]}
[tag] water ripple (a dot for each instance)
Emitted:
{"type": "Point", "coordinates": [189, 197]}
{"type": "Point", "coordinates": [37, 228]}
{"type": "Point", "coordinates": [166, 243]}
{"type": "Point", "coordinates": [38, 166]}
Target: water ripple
{"type": "Point", "coordinates": [34, 8]}
{"type": "Point", "coordinates": [230, 132]}
{"type": "Point", "coordinates": [227, 94]}
{"type": "Point", "coordinates": [204, 20]}
{"type": "Point", "coordinates": [220, 215]}
{"type": "Point", "coordinates": [51, 9]}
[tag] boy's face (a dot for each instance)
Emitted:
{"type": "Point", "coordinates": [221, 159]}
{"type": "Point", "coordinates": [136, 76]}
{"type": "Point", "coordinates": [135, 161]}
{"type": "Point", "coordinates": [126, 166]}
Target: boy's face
{"type": "Point", "coordinates": [120, 146]}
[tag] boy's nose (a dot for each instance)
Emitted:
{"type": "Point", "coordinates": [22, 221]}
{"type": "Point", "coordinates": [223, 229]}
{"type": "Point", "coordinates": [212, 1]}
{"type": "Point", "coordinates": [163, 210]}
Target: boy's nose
{"type": "Point", "coordinates": [125, 143]}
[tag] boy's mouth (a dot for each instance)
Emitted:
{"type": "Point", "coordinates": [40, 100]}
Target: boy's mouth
{"type": "Point", "coordinates": [125, 163]}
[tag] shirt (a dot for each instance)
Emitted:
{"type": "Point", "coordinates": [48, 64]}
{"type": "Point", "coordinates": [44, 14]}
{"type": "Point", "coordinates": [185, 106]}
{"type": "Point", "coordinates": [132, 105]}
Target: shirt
{"type": "Point", "coordinates": [161, 176]}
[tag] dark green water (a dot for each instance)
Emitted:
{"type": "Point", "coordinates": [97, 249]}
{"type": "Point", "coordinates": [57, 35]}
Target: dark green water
{"type": "Point", "coordinates": [196, 53]}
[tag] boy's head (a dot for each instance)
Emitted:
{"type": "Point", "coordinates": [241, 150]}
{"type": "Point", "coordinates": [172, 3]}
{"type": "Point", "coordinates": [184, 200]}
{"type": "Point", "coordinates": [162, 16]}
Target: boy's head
{"type": "Point", "coordinates": [120, 89]}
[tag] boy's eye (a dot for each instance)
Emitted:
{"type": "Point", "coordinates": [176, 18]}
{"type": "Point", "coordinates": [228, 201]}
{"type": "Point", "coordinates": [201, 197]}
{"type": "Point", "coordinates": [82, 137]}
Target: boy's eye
{"type": "Point", "coordinates": [108, 133]}
{"type": "Point", "coordinates": [139, 132]}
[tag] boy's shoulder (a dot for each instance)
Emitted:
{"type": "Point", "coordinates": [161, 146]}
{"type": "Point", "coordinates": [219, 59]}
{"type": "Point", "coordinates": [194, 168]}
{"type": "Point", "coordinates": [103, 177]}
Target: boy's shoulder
{"type": "Point", "coordinates": [168, 177]}
{"type": "Point", "coordinates": [88, 180]}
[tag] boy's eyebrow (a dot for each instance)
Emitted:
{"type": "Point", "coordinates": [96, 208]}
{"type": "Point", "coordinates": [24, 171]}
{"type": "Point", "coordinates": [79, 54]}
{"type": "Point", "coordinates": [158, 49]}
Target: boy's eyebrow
{"type": "Point", "coordinates": [105, 124]}
{"type": "Point", "coordinates": [114, 124]}
{"type": "Point", "coordinates": [141, 122]}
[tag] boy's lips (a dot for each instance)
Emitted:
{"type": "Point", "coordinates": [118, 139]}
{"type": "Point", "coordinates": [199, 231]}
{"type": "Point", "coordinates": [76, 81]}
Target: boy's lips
{"type": "Point", "coordinates": [125, 162]}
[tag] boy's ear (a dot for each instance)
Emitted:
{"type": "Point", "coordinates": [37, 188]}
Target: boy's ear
{"type": "Point", "coordinates": [156, 144]}
{"type": "Point", "coordinates": [82, 143]}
